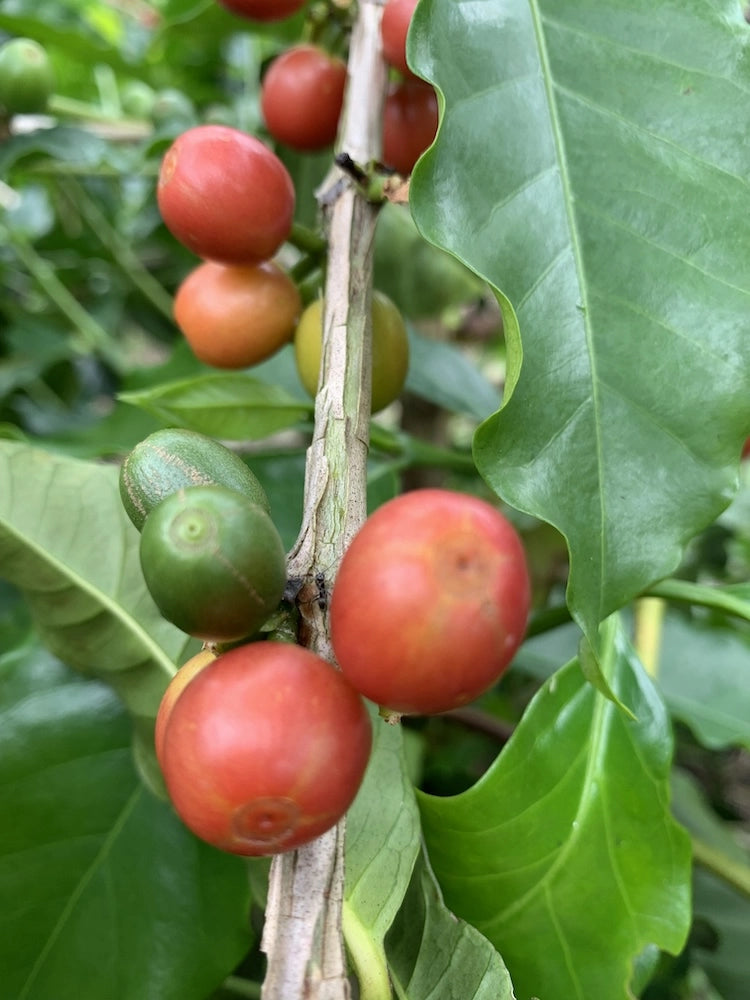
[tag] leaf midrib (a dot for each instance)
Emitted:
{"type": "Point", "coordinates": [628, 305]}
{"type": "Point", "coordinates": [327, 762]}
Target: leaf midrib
{"type": "Point", "coordinates": [83, 882]}
{"type": "Point", "coordinates": [537, 20]}
{"type": "Point", "coordinates": [99, 597]}
{"type": "Point", "coordinates": [595, 764]}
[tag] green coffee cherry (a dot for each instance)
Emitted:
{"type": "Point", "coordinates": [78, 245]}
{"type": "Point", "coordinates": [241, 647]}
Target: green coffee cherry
{"type": "Point", "coordinates": [172, 459]}
{"type": "Point", "coordinates": [213, 562]}
{"type": "Point", "coordinates": [26, 77]}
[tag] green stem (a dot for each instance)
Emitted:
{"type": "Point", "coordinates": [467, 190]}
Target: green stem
{"type": "Point", "coordinates": [686, 592]}
{"type": "Point", "coordinates": [241, 987]}
{"type": "Point", "coordinates": [649, 621]}
{"type": "Point", "coordinates": [732, 872]}
{"type": "Point", "coordinates": [93, 336]}
{"type": "Point", "coordinates": [309, 287]}
{"type": "Point", "coordinates": [424, 453]}
{"type": "Point", "coordinates": [307, 241]}
{"type": "Point", "coordinates": [57, 168]}
{"type": "Point", "coordinates": [306, 266]}
{"type": "Point", "coordinates": [368, 958]}
{"type": "Point", "coordinates": [414, 452]}
{"type": "Point", "coordinates": [120, 249]}
{"type": "Point", "coordinates": [69, 107]}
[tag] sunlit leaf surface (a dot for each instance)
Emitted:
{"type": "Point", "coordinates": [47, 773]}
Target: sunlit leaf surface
{"type": "Point", "coordinates": [565, 854]}
{"type": "Point", "coordinates": [592, 165]}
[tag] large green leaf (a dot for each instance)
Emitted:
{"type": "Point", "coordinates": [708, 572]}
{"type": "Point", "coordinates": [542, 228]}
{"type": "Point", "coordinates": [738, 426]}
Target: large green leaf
{"type": "Point", "coordinates": [65, 143]}
{"type": "Point", "coordinates": [67, 544]}
{"type": "Point", "coordinates": [592, 164]}
{"type": "Point", "coordinates": [105, 893]}
{"type": "Point", "coordinates": [703, 672]}
{"type": "Point", "coordinates": [565, 855]}
{"type": "Point", "coordinates": [432, 954]}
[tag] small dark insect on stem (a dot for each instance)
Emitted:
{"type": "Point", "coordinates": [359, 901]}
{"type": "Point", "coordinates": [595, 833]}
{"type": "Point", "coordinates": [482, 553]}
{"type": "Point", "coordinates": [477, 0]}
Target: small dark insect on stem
{"type": "Point", "coordinates": [320, 583]}
{"type": "Point", "coordinates": [351, 167]}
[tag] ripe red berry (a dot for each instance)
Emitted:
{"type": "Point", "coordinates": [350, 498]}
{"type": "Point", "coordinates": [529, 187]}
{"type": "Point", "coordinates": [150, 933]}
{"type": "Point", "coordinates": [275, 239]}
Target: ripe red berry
{"type": "Point", "coordinates": [225, 195]}
{"type": "Point", "coordinates": [301, 97]}
{"type": "Point", "coordinates": [263, 10]}
{"type": "Point", "coordinates": [394, 26]}
{"type": "Point", "coordinates": [430, 602]}
{"type": "Point", "coordinates": [410, 121]}
{"type": "Point", "coordinates": [265, 748]}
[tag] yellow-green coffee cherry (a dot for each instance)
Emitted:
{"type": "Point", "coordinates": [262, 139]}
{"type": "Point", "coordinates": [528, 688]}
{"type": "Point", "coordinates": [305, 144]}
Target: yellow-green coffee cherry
{"type": "Point", "coordinates": [173, 459]}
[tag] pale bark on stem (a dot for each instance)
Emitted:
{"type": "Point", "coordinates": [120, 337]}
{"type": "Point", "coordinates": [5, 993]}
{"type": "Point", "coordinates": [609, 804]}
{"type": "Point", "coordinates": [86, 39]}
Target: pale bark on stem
{"type": "Point", "coordinates": [302, 937]}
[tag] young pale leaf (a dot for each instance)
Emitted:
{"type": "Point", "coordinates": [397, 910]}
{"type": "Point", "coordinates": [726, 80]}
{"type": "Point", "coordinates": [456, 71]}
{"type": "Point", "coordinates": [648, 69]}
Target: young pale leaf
{"type": "Point", "coordinates": [382, 830]}
{"type": "Point", "coordinates": [105, 893]}
{"type": "Point", "coordinates": [592, 163]}
{"type": "Point", "coordinates": [432, 954]}
{"type": "Point", "coordinates": [226, 405]}
{"type": "Point", "coordinates": [565, 854]}
{"type": "Point", "coordinates": [68, 545]}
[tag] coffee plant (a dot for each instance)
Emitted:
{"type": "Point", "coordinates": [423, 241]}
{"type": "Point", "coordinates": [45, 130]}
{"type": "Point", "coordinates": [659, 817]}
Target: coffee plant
{"type": "Point", "coordinates": [451, 296]}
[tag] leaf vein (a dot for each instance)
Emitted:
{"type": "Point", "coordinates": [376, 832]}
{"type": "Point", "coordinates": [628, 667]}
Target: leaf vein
{"type": "Point", "coordinates": [633, 50]}
{"type": "Point", "coordinates": [656, 137]}
{"type": "Point", "coordinates": [76, 895]}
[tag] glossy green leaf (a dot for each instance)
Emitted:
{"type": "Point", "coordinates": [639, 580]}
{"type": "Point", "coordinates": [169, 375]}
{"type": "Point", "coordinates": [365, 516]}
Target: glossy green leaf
{"type": "Point", "coordinates": [565, 854]}
{"type": "Point", "coordinates": [432, 954]}
{"type": "Point", "coordinates": [382, 831]}
{"type": "Point", "coordinates": [703, 672]}
{"type": "Point", "coordinates": [68, 545]}
{"type": "Point", "coordinates": [105, 893]}
{"type": "Point", "coordinates": [592, 164]}
{"type": "Point", "coordinates": [230, 406]}
{"type": "Point", "coordinates": [281, 370]}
